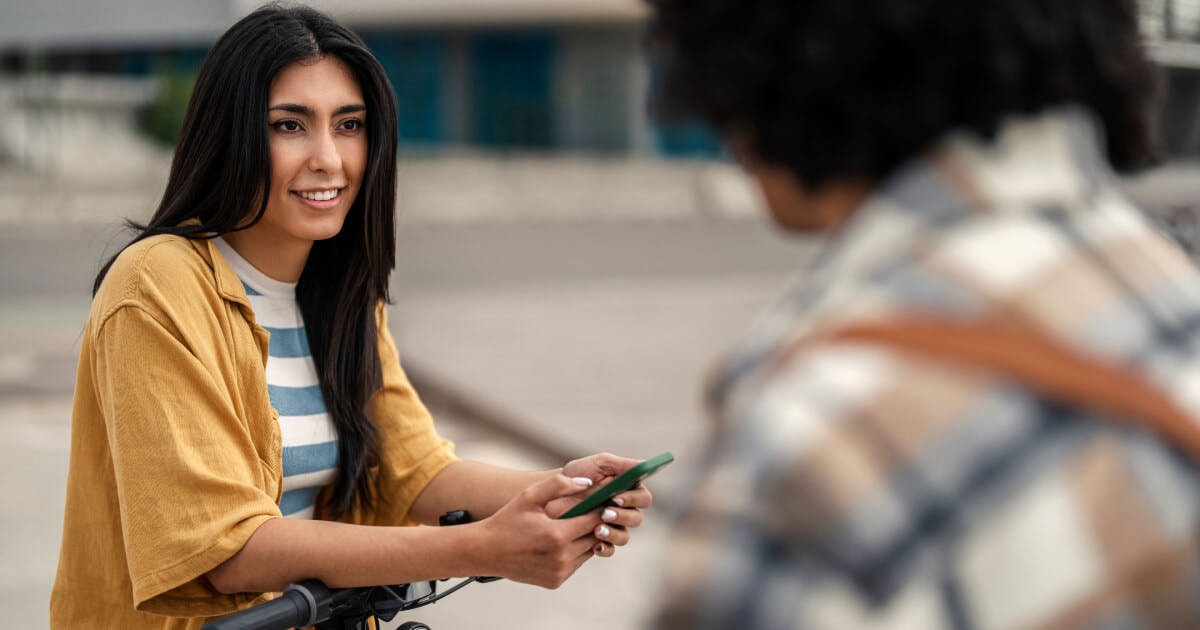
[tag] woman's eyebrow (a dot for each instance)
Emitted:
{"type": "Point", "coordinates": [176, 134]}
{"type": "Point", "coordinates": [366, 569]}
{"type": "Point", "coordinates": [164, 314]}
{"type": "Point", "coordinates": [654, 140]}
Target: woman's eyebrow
{"type": "Point", "coordinates": [304, 110]}
{"type": "Point", "coordinates": [293, 108]}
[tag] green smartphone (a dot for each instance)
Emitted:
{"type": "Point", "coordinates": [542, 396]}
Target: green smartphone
{"type": "Point", "coordinates": [621, 483]}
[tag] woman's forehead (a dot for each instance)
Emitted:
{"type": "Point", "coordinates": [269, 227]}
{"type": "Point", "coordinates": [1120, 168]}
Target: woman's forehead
{"type": "Point", "coordinates": [316, 83]}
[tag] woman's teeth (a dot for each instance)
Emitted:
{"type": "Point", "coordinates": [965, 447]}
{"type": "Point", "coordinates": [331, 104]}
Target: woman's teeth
{"type": "Point", "coordinates": [323, 195]}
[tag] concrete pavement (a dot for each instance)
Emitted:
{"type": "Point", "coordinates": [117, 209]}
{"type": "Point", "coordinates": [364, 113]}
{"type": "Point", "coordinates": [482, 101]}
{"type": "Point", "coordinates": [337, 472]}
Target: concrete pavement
{"type": "Point", "coordinates": [612, 364]}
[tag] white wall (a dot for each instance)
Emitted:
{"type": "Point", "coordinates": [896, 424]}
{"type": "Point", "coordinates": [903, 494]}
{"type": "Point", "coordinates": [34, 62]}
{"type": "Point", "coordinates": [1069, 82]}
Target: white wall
{"type": "Point", "coordinates": [82, 126]}
{"type": "Point", "coordinates": [40, 24]}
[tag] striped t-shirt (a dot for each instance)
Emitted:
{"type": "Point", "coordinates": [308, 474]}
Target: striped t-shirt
{"type": "Point", "coordinates": [310, 454]}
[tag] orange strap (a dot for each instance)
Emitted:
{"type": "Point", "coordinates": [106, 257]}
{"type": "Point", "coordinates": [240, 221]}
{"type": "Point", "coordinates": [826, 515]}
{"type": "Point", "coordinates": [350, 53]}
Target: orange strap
{"type": "Point", "coordinates": [1041, 364]}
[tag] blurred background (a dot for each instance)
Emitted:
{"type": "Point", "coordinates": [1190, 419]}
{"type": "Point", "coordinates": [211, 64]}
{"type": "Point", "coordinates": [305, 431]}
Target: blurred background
{"type": "Point", "coordinates": [568, 270]}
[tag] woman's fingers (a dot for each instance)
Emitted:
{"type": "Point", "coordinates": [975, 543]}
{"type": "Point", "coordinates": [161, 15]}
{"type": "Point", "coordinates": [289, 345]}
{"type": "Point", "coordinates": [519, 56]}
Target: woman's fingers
{"type": "Point", "coordinates": [621, 517]}
{"type": "Point", "coordinates": [596, 534]}
{"type": "Point", "coordinates": [532, 546]}
{"type": "Point", "coordinates": [638, 497]}
{"type": "Point", "coordinates": [539, 494]}
{"type": "Point", "coordinates": [614, 526]}
{"type": "Point", "coordinates": [611, 535]}
{"type": "Point", "coordinates": [600, 466]}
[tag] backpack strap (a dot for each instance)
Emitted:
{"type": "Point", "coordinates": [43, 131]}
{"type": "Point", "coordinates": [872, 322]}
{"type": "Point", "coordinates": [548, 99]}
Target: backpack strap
{"type": "Point", "coordinates": [1041, 364]}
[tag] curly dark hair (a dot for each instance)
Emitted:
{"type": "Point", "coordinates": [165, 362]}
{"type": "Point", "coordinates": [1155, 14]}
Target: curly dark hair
{"type": "Point", "coordinates": [854, 88]}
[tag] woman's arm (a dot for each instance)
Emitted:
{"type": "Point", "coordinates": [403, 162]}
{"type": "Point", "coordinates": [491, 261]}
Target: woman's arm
{"type": "Point", "coordinates": [520, 542]}
{"type": "Point", "coordinates": [481, 489]}
{"type": "Point", "coordinates": [476, 487]}
{"type": "Point", "coordinates": [519, 536]}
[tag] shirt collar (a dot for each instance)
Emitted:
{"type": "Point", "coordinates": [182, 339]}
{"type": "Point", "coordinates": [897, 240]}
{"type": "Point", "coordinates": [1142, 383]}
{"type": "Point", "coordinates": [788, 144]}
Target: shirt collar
{"type": "Point", "coordinates": [229, 286]}
{"type": "Point", "coordinates": [1034, 162]}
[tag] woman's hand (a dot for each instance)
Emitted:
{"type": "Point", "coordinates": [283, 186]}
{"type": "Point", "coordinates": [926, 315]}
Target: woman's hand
{"type": "Point", "coordinates": [616, 519]}
{"type": "Point", "coordinates": [524, 542]}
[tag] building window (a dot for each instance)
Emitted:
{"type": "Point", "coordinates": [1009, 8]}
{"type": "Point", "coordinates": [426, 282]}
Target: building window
{"type": "Point", "coordinates": [511, 89]}
{"type": "Point", "coordinates": [414, 62]}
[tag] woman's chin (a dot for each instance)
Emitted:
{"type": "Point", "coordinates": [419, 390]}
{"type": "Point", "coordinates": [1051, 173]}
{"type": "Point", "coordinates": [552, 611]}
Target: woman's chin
{"type": "Point", "coordinates": [322, 230]}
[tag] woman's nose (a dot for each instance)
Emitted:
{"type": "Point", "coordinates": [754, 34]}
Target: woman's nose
{"type": "Point", "coordinates": [325, 155]}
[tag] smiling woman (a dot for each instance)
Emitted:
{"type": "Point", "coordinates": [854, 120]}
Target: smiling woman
{"type": "Point", "coordinates": [239, 391]}
{"type": "Point", "coordinates": [318, 153]}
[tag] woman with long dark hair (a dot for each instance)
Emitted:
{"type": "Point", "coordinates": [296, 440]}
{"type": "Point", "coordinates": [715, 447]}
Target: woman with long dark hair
{"type": "Point", "coordinates": [237, 368]}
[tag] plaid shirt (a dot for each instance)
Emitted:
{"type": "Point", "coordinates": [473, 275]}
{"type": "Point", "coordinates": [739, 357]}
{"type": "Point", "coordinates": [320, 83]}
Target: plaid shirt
{"type": "Point", "coordinates": [853, 485]}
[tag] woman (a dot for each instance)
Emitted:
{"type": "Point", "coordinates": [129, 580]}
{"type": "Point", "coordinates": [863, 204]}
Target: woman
{"type": "Point", "coordinates": [237, 367]}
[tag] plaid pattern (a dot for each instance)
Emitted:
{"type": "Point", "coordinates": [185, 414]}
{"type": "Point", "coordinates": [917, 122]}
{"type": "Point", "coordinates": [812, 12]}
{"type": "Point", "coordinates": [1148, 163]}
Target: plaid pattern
{"type": "Point", "coordinates": [851, 485]}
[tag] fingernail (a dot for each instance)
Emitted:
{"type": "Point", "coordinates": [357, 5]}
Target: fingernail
{"type": "Point", "coordinates": [603, 531]}
{"type": "Point", "coordinates": [582, 482]}
{"type": "Point", "coordinates": [619, 502]}
{"type": "Point", "coordinates": [608, 515]}
{"type": "Point", "coordinates": [599, 549]}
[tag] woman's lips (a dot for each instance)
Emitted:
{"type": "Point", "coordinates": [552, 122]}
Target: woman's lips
{"type": "Point", "coordinates": [323, 204]}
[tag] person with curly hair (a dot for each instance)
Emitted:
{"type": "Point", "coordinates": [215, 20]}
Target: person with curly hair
{"type": "Point", "coordinates": [979, 408]}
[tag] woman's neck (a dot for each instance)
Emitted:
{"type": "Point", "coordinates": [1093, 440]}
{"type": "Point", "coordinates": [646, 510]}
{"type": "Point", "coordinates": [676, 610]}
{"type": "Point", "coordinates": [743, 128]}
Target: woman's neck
{"type": "Point", "coordinates": [279, 259]}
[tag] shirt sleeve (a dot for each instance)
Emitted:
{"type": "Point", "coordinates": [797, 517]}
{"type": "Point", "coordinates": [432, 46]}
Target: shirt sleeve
{"type": "Point", "coordinates": [725, 558]}
{"type": "Point", "coordinates": [768, 537]}
{"type": "Point", "coordinates": [858, 488]}
{"type": "Point", "coordinates": [412, 452]}
{"type": "Point", "coordinates": [189, 479]}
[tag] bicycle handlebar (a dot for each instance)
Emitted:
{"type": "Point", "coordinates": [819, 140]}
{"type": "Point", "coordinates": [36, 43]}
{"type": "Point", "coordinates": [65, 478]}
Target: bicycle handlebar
{"type": "Point", "coordinates": [299, 606]}
{"type": "Point", "coordinates": [310, 602]}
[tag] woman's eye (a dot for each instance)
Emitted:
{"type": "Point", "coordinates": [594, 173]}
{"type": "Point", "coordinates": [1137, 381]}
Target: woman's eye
{"type": "Point", "coordinates": [352, 125]}
{"type": "Point", "coordinates": [287, 126]}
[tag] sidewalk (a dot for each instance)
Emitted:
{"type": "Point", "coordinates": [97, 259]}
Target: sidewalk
{"type": "Point", "coordinates": [607, 365]}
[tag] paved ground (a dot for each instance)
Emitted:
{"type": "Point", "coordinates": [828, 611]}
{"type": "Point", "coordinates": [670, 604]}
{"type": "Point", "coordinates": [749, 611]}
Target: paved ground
{"type": "Point", "coordinates": [34, 476]}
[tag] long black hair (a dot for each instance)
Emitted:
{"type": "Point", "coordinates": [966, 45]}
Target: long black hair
{"type": "Point", "coordinates": [854, 88]}
{"type": "Point", "coordinates": [222, 171]}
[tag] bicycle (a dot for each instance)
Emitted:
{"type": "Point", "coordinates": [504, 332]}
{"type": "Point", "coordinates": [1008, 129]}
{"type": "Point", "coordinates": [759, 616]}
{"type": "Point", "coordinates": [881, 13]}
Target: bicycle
{"type": "Point", "coordinates": [311, 603]}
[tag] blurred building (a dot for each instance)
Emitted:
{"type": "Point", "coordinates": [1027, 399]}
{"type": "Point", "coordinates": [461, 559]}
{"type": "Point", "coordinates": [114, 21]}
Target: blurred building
{"type": "Point", "coordinates": [1172, 28]}
{"type": "Point", "coordinates": [496, 74]}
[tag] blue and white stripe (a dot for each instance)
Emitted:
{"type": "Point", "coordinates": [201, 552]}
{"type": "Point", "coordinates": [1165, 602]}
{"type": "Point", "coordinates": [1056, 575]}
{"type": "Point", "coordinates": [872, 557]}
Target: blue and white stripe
{"type": "Point", "coordinates": [309, 440]}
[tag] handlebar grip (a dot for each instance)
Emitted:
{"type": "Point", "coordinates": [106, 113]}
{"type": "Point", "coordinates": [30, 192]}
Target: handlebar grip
{"type": "Point", "coordinates": [289, 610]}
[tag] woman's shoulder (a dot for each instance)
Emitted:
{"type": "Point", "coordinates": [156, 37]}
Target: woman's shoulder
{"type": "Point", "coordinates": [153, 272]}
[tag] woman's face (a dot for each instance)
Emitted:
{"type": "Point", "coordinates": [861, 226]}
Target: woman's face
{"type": "Point", "coordinates": [318, 140]}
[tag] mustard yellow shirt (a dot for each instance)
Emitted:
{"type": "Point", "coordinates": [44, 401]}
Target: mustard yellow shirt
{"type": "Point", "coordinates": [175, 448]}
